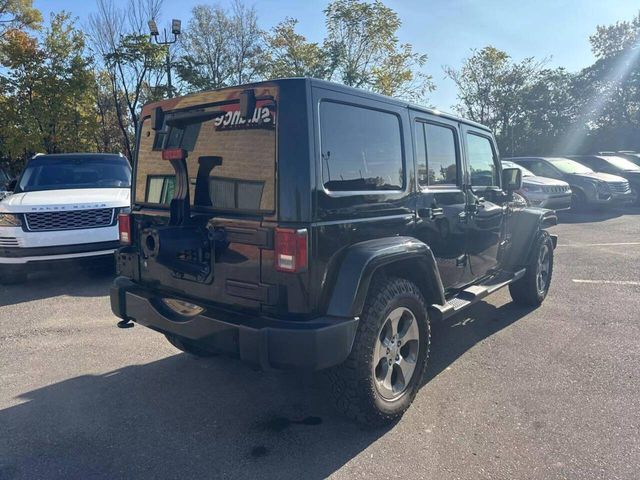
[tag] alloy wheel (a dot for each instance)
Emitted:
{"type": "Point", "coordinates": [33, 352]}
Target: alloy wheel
{"type": "Point", "coordinates": [396, 353]}
{"type": "Point", "coordinates": [543, 267]}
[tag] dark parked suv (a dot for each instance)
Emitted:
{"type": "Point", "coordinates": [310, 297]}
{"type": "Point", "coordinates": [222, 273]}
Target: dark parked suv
{"type": "Point", "coordinates": [615, 165]}
{"type": "Point", "coordinates": [587, 187]}
{"type": "Point", "coordinates": [303, 224]}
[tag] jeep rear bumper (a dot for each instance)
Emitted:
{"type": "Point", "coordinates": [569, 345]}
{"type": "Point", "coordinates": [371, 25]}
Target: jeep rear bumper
{"type": "Point", "coordinates": [266, 342]}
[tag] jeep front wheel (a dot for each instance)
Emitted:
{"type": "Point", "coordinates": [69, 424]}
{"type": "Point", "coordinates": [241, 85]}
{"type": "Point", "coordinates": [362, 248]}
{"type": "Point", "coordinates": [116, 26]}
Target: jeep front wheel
{"type": "Point", "coordinates": [383, 373]}
{"type": "Point", "coordinates": [532, 288]}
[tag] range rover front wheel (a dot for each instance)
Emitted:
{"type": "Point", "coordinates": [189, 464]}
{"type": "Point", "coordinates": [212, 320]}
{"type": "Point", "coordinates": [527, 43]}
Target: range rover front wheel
{"type": "Point", "coordinates": [384, 371]}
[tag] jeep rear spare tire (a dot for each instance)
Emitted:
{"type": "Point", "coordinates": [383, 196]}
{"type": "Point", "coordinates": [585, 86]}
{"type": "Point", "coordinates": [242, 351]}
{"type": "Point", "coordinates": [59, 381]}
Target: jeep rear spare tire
{"type": "Point", "coordinates": [384, 371]}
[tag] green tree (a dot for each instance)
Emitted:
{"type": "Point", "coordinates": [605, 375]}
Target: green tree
{"type": "Point", "coordinates": [289, 54]}
{"type": "Point", "coordinates": [548, 110]}
{"type": "Point", "coordinates": [366, 53]}
{"type": "Point", "coordinates": [206, 62]}
{"type": "Point", "coordinates": [608, 92]}
{"type": "Point", "coordinates": [246, 43]}
{"type": "Point", "coordinates": [221, 47]}
{"type": "Point", "coordinates": [49, 102]}
{"type": "Point", "coordinates": [107, 135]}
{"type": "Point", "coordinates": [491, 91]}
{"type": "Point", "coordinates": [18, 15]}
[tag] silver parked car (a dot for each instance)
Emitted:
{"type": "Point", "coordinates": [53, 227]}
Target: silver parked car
{"type": "Point", "coordinates": [542, 191]}
{"type": "Point", "coordinates": [589, 188]}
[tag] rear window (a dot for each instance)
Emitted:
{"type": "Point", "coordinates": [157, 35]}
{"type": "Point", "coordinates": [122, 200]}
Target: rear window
{"type": "Point", "coordinates": [243, 176]}
{"type": "Point", "coordinates": [361, 149]}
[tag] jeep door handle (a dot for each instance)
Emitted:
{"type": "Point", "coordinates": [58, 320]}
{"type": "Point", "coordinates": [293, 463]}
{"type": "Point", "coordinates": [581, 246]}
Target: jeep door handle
{"type": "Point", "coordinates": [431, 213]}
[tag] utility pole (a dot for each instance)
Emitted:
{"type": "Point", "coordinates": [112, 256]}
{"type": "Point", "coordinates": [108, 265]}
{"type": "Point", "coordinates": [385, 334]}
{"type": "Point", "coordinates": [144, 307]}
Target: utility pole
{"type": "Point", "coordinates": [155, 33]}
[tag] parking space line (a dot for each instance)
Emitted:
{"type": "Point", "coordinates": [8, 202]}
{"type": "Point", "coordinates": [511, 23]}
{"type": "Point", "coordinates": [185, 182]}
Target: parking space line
{"type": "Point", "coordinates": [597, 244]}
{"type": "Point", "coordinates": [611, 282]}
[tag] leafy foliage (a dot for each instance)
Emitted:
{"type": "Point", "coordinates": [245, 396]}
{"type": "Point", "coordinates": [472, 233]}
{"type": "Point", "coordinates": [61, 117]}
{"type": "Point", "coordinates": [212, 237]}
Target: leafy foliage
{"type": "Point", "coordinates": [48, 102]}
{"type": "Point", "coordinates": [365, 51]}
{"type": "Point", "coordinates": [289, 54]}
{"type": "Point", "coordinates": [220, 47]}
{"type": "Point", "coordinates": [18, 15]}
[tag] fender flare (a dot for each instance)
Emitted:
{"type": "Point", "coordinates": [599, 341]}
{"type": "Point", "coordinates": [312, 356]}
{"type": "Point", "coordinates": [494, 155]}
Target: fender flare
{"type": "Point", "coordinates": [362, 260]}
{"type": "Point", "coordinates": [526, 225]}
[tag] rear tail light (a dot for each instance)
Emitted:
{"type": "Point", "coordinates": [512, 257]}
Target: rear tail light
{"type": "Point", "coordinates": [291, 250]}
{"type": "Point", "coordinates": [124, 228]}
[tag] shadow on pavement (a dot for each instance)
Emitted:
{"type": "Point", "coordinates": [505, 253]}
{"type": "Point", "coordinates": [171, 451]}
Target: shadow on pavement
{"type": "Point", "coordinates": [70, 279]}
{"type": "Point", "coordinates": [182, 417]}
{"type": "Point", "coordinates": [452, 338]}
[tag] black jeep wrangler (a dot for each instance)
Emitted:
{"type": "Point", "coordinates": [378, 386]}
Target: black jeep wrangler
{"type": "Point", "coordinates": [302, 224]}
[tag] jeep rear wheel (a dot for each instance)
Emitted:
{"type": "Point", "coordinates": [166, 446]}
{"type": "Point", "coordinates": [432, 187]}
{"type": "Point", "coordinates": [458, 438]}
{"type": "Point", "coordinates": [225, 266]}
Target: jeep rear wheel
{"type": "Point", "coordinates": [189, 346]}
{"type": "Point", "coordinates": [383, 373]}
{"type": "Point", "coordinates": [532, 288]}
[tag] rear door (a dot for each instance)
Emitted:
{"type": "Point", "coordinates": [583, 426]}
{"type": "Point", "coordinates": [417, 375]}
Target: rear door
{"type": "Point", "coordinates": [485, 201]}
{"type": "Point", "coordinates": [231, 169]}
{"type": "Point", "coordinates": [440, 204]}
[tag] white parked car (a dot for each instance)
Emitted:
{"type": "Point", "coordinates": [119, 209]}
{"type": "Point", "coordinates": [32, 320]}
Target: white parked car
{"type": "Point", "coordinates": [64, 207]}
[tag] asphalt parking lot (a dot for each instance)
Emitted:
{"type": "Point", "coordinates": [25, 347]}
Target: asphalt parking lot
{"type": "Point", "coordinates": [509, 393]}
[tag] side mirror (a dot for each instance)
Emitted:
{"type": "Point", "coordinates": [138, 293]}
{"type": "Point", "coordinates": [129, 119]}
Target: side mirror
{"type": "Point", "coordinates": [511, 179]}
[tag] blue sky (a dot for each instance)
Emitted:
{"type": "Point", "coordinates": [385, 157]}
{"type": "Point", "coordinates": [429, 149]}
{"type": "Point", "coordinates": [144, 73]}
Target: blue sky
{"type": "Point", "coordinates": [445, 30]}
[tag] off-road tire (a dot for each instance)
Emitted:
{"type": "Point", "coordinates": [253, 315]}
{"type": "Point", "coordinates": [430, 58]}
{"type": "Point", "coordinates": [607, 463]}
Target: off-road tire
{"type": "Point", "coordinates": [525, 290]}
{"type": "Point", "coordinates": [351, 384]}
{"type": "Point", "coordinates": [189, 346]}
{"type": "Point", "coordinates": [12, 275]}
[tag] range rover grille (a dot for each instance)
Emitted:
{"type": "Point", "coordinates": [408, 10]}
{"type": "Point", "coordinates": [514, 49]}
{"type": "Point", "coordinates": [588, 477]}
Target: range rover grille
{"type": "Point", "coordinates": [70, 220]}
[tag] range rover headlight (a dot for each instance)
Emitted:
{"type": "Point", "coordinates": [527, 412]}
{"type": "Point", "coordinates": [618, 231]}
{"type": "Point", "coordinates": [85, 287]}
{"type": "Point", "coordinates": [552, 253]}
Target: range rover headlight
{"type": "Point", "coordinates": [10, 220]}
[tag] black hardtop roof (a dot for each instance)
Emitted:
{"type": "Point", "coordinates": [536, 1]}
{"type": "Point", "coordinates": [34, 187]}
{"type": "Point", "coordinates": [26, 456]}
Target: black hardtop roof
{"type": "Point", "coordinates": [384, 98]}
{"type": "Point", "coordinates": [365, 94]}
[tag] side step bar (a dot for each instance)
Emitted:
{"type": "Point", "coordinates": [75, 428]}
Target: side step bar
{"type": "Point", "coordinates": [473, 294]}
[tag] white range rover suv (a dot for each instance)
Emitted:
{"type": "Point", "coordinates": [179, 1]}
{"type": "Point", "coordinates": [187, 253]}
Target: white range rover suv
{"type": "Point", "coordinates": [63, 207]}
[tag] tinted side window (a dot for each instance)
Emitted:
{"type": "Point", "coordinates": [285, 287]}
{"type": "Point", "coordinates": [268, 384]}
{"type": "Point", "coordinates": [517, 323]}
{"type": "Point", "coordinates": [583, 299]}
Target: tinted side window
{"type": "Point", "coordinates": [441, 155]}
{"type": "Point", "coordinates": [542, 169]}
{"type": "Point", "coordinates": [361, 148]}
{"type": "Point", "coordinates": [482, 167]}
